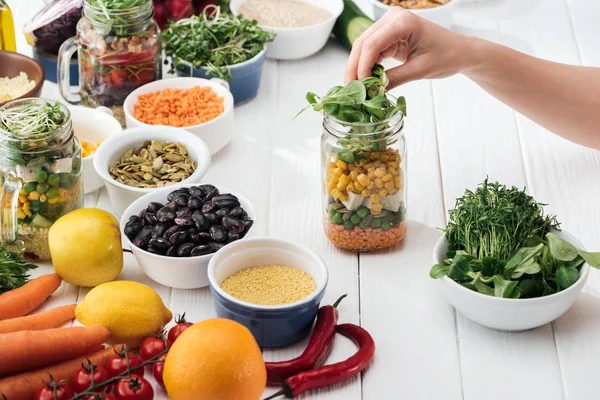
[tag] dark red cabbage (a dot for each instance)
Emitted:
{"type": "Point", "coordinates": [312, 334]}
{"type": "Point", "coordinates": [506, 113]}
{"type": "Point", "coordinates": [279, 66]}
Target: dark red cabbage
{"type": "Point", "coordinates": [54, 24]}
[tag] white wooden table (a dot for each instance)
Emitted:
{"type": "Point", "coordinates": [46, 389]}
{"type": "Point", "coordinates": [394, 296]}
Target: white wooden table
{"type": "Point", "coordinates": [457, 135]}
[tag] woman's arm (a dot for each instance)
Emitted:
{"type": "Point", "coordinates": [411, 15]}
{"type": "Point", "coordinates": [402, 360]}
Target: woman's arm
{"type": "Point", "coordinates": [562, 98]}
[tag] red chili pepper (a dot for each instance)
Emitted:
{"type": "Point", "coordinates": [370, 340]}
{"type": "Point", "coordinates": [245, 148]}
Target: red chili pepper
{"type": "Point", "coordinates": [316, 351]}
{"type": "Point", "coordinates": [334, 373]}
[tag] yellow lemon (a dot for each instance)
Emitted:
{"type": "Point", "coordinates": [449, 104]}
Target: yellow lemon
{"type": "Point", "coordinates": [131, 311]}
{"type": "Point", "coordinates": [85, 245]}
{"type": "Point", "coordinates": [215, 359]}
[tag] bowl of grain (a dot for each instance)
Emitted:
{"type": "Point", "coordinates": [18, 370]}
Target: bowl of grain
{"type": "Point", "coordinates": [302, 26]}
{"type": "Point", "coordinates": [271, 286]}
{"type": "Point", "coordinates": [20, 77]}
{"type": "Point", "coordinates": [437, 11]}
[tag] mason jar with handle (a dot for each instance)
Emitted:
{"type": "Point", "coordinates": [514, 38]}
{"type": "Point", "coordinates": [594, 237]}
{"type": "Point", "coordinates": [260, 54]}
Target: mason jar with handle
{"type": "Point", "coordinates": [118, 51]}
{"type": "Point", "coordinates": [40, 172]}
{"type": "Point", "coordinates": [364, 182]}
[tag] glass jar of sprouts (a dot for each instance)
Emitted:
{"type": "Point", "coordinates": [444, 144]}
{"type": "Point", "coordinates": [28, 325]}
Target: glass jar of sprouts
{"type": "Point", "coordinates": [40, 173]}
{"type": "Point", "coordinates": [364, 181]}
{"type": "Point", "coordinates": [118, 49]}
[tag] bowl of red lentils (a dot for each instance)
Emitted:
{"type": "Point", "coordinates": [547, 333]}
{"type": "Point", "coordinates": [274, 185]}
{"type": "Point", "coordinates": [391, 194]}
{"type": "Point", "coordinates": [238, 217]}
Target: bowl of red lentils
{"type": "Point", "coordinates": [272, 286]}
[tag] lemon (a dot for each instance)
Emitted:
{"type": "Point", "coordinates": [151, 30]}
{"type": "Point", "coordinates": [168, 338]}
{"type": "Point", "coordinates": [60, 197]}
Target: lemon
{"type": "Point", "coordinates": [215, 359]}
{"type": "Point", "coordinates": [131, 311]}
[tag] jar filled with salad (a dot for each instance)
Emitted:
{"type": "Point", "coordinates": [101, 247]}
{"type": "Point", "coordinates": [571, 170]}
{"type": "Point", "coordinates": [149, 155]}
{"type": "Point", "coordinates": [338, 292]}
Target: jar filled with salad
{"type": "Point", "coordinates": [118, 49]}
{"type": "Point", "coordinates": [40, 173]}
{"type": "Point", "coordinates": [363, 164]}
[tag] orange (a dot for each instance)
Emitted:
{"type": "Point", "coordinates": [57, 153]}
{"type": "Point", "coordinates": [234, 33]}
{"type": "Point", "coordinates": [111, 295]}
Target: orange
{"type": "Point", "coordinates": [216, 359]}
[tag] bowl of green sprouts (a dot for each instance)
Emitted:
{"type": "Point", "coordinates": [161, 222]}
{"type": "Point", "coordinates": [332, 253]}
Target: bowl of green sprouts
{"type": "Point", "coordinates": [505, 264]}
{"type": "Point", "coordinates": [218, 45]}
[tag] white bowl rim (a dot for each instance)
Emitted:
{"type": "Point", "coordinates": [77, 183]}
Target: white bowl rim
{"type": "Point", "coordinates": [268, 240]}
{"type": "Point", "coordinates": [199, 144]}
{"type": "Point", "coordinates": [419, 11]}
{"type": "Point", "coordinates": [583, 273]}
{"type": "Point", "coordinates": [75, 107]}
{"type": "Point", "coordinates": [222, 189]}
{"type": "Point", "coordinates": [137, 93]}
{"type": "Point", "coordinates": [334, 16]}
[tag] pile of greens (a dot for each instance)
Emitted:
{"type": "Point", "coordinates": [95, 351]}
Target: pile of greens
{"type": "Point", "coordinates": [214, 40]}
{"type": "Point", "coordinates": [13, 270]}
{"type": "Point", "coordinates": [501, 244]}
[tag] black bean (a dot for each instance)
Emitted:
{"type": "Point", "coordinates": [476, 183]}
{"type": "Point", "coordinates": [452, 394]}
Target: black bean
{"type": "Point", "coordinates": [179, 238]}
{"type": "Point", "coordinates": [154, 207]}
{"type": "Point", "coordinates": [165, 214]}
{"type": "Point", "coordinates": [169, 232]}
{"type": "Point", "coordinates": [175, 193]}
{"type": "Point", "coordinates": [247, 225]}
{"type": "Point", "coordinates": [216, 246]}
{"type": "Point", "coordinates": [209, 206]}
{"type": "Point", "coordinates": [212, 218]}
{"type": "Point", "coordinates": [132, 229]}
{"type": "Point", "coordinates": [232, 224]}
{"type": "Point", "coordinates": [185, 221]}
{"type": "Point", "coordinates": [142, 213]}
{"type": "Point", "coordinates": [220, 214]}
{"type": "Point", "coordinates": [194, 203]}
{"type": "Point", "coordinates": [142, 238]}
{"type": "Point", "coordinates": [182, 199]}
{"type": "Point", "coordinates": [172, 205]}
{"type": "Point", "coordinates": [211, 194]}
{"type": "Point", "coordinates": [184, 212]}
{"type": "Point", "coordinates": [196, 191]}
{"type": "Point", "coordinates": [206, 189]}
{"type": "Point", "coordinates": [171, 252]}
{"type": "Point", "coordinates": [200, 238]}
{"type": "Point", "coordinates": [201, 250]}
{"type": "Point", "coordinates": [237, 212]}
{"type": "Point", "coordinates": [226, 203]}
{"type": "Point", "coordinates": [150, 218]}
{"type": "Point", "coordinates": [160, 229]}
{"type": "Point", "coordinates": [202, 223]}
{"type": "Point", "coordinates": [159, 244]}
{"type": "Point", "coordinates": [185, 249]}
{"type": "Point", "coordinates": [218, 233]}
{"type": "Point", "coordinates": [232, 237]}
{"type": "Point", "coordinates": [225, 196]}
{"type": "Point", "coordinates": [135, 218]}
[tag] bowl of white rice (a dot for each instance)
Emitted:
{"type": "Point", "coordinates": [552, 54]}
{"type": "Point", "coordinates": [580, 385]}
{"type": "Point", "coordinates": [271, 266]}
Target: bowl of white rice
{"type": "Point", "coordinates": [302, 26]}
{"type": "Point", "coordinates": [20, 77]}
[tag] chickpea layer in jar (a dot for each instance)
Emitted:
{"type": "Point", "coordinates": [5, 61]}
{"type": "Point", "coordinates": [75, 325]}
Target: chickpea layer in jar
{"type": "Point", "coordinates": [366, 209]}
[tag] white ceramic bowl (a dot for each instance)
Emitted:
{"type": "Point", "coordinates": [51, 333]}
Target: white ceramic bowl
{"type": "Point", "coordinates": [179, 273]}
{"type": "Point", "coordinates": [441, 15]}
{"type": "Point", "coordinates": [216, 133]}
{"type": "Point", "coordinates": [510, 315]}
{"type": "Point", "coordinates": [93, 125]}
{"type": "Point", "coordinates": [296, 43]}
{"type": "Point", "coordinates": [121, 196]}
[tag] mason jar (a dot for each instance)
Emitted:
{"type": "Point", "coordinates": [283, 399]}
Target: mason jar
{"type": "Point", "coordinates": [118, 51]}
{"type": "Point", "coordinates": [364, 182]}
{"type": "Point", "coordinates": [40, 173]}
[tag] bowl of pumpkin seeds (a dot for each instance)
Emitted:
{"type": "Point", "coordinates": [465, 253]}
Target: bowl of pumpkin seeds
{"type": "Point", "coordinates": [146, 159]}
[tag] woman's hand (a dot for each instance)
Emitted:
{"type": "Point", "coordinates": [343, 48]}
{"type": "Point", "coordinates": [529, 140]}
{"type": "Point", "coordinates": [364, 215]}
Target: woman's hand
{"type": "Point", "coordinates": [426, 49]}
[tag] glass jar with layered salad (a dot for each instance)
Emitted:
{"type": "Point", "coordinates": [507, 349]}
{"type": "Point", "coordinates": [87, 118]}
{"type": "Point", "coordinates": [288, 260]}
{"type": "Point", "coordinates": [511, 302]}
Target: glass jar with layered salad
{"type": "Point", "coordinates": [118, 51]}
{"type": "Point", "coordinates": [40, 173]}
{"type": "Point", "coordinates": [364, 181]}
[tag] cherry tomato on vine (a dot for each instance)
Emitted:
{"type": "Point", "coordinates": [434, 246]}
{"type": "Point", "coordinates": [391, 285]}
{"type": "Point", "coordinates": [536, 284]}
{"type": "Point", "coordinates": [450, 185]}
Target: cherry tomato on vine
{"type": "Point", "coordinates": [153, 346]}
{"type": "Point", "coordinates": [83, 378]}
{"type": "Point", "coordinates": [62, 390]}
{"type": "Point", "coordinates": [118, 364]}
{"type": "Point", "coordinates": [134, 388]}
{"type": "Point", "coordinates": [100, 396]}
{"type": "Point", "coordinates": [158, 368]}
{"type": "Point", "coordinates": [181, 326]}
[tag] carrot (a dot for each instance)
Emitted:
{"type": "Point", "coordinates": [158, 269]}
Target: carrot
{"type": "Point", "coordinates": [46, 320]}
{"type": "Point", "coordinates": [24, 386]}
{"type": "Point", "coordinates": [176, 107]}
{"type": "Point", "coordinates": [23, 300]}
{"type": "Point", "coordinates": [26, 350]}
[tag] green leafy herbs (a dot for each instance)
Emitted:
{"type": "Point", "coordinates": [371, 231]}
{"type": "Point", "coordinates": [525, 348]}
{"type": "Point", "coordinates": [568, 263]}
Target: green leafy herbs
{"type": "Point", "coordinates": [500, 244]}
{"type": "Point", "coordinates": [14, 270]}
{"type": "Point", "coordinates": [213, 40]}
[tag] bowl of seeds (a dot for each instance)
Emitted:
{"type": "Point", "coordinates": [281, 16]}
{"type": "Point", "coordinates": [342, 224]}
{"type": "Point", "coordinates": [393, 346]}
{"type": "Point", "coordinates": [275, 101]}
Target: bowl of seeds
{"type": "Point", "coordinates": [271, 286]}
{"type": "Point", "coordinates": [142, 160]}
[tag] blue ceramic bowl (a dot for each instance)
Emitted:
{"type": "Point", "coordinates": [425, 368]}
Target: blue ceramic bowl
{"type": "Point", "coordinates": [245, 77]}
{"type": "Point", "coordinates": [272, 326]}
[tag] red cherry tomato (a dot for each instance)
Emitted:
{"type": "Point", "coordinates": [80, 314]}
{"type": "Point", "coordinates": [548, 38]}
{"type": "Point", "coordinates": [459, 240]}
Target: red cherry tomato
{"type": "Point", "coordinates": [153, 346]}
{"type": "Point", "coordinates": [158, 368]}
{"type": "Point", "coordinates": [83, 378]}
{"type": "Point", "coordinates": [62, 391]}
{"type": "Point", "coordinates": [181, 326]}
{"type": "Point", "coordinates": [134, 388]}
{"type": "Point", "coordinates": [101, 396]}
{"type": "Point", "coordinates": [118, 364]}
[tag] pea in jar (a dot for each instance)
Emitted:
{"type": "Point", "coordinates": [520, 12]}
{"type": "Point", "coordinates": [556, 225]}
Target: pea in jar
{"type": "Point", "coordinates": [40, 172]}
{"type": "Point", "coordinates": [364, 181]}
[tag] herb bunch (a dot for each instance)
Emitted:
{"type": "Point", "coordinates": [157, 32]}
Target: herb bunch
{"type": "Point", "coordinates": [214, 40]}
{"type": "Point", "coordinates": [14, 270]}
{"type": "Point", "coordinates": [31, 119]}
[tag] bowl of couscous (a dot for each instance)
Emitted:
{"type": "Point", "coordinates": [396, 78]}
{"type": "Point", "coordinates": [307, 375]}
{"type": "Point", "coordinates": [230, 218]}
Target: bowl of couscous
{"type": "Point", "coordinates": [272, 286]}
{"type": "Point", "coordinates": [20, 77]}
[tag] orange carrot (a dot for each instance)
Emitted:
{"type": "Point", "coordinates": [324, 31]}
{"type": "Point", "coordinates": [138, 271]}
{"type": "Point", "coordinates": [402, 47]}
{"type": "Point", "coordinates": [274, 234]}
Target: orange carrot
{"type": "Point", "coordinates": [36, 322]}
{"type": "Point", "coordinates": [23, 300]}
{"type": "Point", "coordinates": [26, 350]}
{"type": "Point", "coordinates": [24, 386]}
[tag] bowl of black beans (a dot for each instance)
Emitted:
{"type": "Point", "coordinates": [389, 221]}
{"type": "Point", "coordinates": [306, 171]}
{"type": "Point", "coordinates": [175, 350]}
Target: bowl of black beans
{"type": "Point", "coordinates": [173, 233]}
